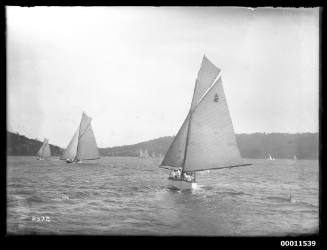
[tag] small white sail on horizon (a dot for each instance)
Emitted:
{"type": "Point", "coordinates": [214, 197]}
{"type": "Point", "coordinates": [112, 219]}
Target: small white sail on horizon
{"type": "Point", "coordinates": [44, 151]}
{"type": "Point", "coordinates": [206, 139]}
{"type": "Point", "coordinates": [83, 145]}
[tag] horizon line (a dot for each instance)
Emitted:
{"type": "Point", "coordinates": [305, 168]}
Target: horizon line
{"type": "Point", "coordinates": [122, 145]}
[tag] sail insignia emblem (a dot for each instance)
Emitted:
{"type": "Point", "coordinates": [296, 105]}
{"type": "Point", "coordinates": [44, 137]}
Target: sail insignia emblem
{"type": "Point", "coordinates": [216, 98]}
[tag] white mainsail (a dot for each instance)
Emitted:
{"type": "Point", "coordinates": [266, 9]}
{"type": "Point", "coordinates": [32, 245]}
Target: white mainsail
{"type": "Point", "coordinates": [87, 148]}
{"type": "Point", "coordinates": [211, 141]}
{"type": "Point", "coordinates": [39, 153]}
{"type": "Point", "coordinates": [206, 76]}
{"type": "Point", "coordinates": [44, 151]}
{"type": "Point", "coordinates": [83, 145]}
{"type": "Point", "coordinates": [206, 139]}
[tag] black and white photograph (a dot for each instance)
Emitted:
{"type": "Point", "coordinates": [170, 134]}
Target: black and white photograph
{"type": "Point", "coordinates": [162, 121]}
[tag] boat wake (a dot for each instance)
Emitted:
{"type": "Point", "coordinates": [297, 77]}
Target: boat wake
{"type": "Point", "coordinates": [288, 200]}
{"type": "Point", "coordinates": [232, 193]}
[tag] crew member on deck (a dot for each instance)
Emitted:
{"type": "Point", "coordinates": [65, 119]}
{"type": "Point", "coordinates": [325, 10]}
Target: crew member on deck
{"type": "Point", "coordinates": [173, 174]}
{"type": "Point", "coordinates": [179, 172]}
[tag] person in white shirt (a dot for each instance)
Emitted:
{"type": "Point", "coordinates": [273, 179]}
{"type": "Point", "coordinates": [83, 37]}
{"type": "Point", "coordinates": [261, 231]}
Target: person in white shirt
{"type": "Point", "coordinates": [179, 172]}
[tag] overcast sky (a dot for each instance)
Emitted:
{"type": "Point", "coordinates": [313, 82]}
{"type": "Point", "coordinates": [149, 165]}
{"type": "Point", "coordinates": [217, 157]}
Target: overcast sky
{"type": "Point", "coordinates": [133, 69]}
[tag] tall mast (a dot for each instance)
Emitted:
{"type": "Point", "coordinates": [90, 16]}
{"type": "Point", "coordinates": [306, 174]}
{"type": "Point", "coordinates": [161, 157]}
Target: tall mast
{"type": "Point", "coordinates": [42, 151]}
{"type": "Point", "coordinates": [191, 111]}
{"type": "Point", "coordinates": [188, 127]}
{"type": "Point", "coordinates": [79, 134]}
{"type": "Point", "coordinates": [186, 144]}
{"type": "Point", "coordinates": [43, 147]}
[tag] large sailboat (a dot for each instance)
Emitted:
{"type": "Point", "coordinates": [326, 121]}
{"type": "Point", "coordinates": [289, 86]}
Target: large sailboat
{"type": "Point", "coordinates": [206, 140]}
{"type": "Point", "coordinates": [44, 151]}
{"type": "Point", "coordinates": [83, 145]}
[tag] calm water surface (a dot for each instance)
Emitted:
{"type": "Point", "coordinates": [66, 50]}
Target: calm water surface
{"type": "Point", "coordinates": [128, 196]}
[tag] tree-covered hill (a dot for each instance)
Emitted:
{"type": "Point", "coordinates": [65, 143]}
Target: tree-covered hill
{"type": "Point", "coordinates": [21, 145]}
{"type": "Point", "coordinates": [256, 145]}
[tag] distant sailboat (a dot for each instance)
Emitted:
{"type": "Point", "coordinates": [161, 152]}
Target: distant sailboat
{"type": "Point", "coordinates": [294, 158]}
{"type": "Point", "coordinates": [271, 158]}
{"type": "Point", "coordinates": [206, 140]}
{"type": "Point", "coordinates": [44, 151]}
{"type": "Point", "coordinates": [141, 153]}
{"type": "Point", "coordinates": [83, 145]}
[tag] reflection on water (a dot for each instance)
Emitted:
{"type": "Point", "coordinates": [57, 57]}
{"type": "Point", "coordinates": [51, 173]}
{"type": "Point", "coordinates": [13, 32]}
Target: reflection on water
{"type": "Point", "coordinates": [128, 196]}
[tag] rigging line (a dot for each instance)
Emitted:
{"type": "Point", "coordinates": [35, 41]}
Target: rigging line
{"type": "Point", "coordinates": [188, 128]}
{"type": "Point", "coordinates": [79, 134]}
{"type": "Point", "coordinates": [43, 146]}
{"type": "Point", "coordinates": [235, 166]}
{"type": "Point", "coordinates": [167, 167]}
{"type": "Point", "coordinates": [85, 130]}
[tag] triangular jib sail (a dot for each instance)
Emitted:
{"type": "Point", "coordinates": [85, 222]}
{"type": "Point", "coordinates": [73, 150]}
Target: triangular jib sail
{"type": "Point", "coordinates": [83, 145]}
{"type": "Point", "coordinates": [44, 151]}
{"type": "Point", "coordinates": [206, 139]}
{"type": "Point", "coordinates": [175, 154]}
